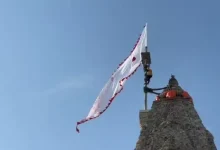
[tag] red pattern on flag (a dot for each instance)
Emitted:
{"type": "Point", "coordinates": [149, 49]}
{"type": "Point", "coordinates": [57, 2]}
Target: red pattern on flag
{"type": "Point", "coordinates": [133, 59]}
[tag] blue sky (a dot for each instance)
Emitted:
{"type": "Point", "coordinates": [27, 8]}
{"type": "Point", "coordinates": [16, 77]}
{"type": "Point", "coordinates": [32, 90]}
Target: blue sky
{"type": "Point", "coordinates": [56, 55]}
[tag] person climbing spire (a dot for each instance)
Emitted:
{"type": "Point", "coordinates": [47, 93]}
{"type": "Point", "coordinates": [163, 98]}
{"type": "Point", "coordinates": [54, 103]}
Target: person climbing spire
{"type": "Point", "coordinates": [149, 74]}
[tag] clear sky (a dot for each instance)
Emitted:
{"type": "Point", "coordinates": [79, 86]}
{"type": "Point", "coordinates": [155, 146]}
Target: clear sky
{"type": "Point", "coordinates": [56, 55]}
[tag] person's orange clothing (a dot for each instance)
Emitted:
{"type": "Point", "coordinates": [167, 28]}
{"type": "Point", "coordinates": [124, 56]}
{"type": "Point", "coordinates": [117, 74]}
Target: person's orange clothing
{"type": "Point", "coordinates": [149, 72]}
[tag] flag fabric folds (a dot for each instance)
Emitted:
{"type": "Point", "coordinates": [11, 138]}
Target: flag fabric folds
{"type": "Point", "coordinates": [118, 79]}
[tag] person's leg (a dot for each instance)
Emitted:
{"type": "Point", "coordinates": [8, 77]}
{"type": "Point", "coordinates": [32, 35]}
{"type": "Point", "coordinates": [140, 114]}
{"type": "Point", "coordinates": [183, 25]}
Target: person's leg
{"type": "Point", "coordinates": [148, 79]}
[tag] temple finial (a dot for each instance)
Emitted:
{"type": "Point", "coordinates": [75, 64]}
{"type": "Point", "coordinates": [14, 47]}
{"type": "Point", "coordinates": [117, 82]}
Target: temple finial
{"type": "Point", "coordinates": [173, 82]}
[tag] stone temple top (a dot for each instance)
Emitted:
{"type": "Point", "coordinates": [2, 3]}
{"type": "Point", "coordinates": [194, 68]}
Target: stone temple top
{"type": "Point", "coordinates": [173, 91]}
{"type": "Point", "coordinates": [173, 123]}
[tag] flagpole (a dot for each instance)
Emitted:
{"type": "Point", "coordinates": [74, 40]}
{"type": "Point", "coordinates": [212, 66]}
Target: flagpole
{"type": "Point", "coordinates": [146, 61]}
{"type": "Point", "coordinates": [145, 95]}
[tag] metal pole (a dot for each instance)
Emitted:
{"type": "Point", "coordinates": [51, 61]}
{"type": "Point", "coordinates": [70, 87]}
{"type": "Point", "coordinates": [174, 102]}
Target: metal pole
{"type": "Point", "coordinates": [146, 44]}
{"type": "Point", "coordinates": [145, 101]}
{"type": "Point", "coordinates": [145, 63]}
{"type": "Point", "coordinates": [145, 95]}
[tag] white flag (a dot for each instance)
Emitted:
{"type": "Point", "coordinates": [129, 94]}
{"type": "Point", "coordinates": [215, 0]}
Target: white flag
{"type": "Point", "coordinates": [115, 84]}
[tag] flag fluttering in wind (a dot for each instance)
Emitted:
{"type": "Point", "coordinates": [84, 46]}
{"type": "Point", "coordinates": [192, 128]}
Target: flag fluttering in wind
{"type": "Point", "coordinates": [115, 84]}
